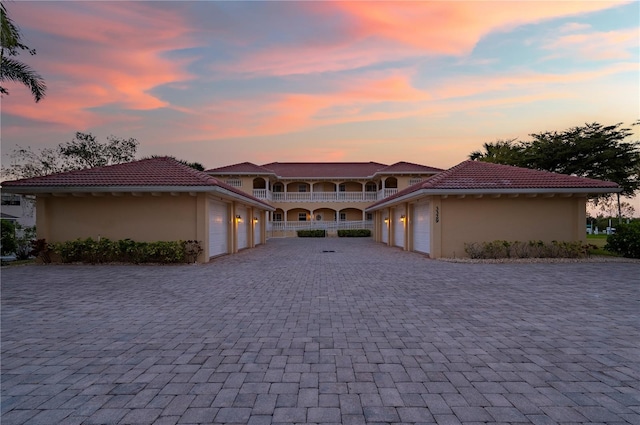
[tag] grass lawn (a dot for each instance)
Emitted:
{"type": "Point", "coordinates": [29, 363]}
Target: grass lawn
{"type": "Point", "coordinates": [600, 241]}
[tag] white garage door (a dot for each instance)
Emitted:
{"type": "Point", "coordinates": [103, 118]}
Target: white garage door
{"type": "Point", "coordinates": [243, 227]}
{"type": "Point", "coordinates": [421, 228]}
{"type": "Point", "coordinates": [385, 231]}
{"type": "Point", "coordinates": [398, 227]}
{"type": "Point", "coordinates": [257, 231]}
{"type": "Point", "coordinates": [218, 228]}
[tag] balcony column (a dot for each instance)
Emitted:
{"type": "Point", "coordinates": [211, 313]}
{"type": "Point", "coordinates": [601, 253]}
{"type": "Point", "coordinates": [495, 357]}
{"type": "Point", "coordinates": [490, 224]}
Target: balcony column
{"type": "Point", "coordinates": [311, 192]}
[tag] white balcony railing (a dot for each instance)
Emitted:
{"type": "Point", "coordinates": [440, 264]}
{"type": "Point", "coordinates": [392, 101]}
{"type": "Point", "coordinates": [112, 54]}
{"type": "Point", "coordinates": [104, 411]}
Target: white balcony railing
{"type": "Point", "coordinates": [312, 225]}
{"type": "Point", "coordinates": [262, 194]}
{"type": "Point", "coordinates": [322, 196]}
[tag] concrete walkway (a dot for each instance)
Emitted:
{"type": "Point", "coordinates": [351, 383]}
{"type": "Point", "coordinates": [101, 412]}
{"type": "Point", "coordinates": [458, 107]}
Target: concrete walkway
{"type": "Point", "coordinates": [288, 333]}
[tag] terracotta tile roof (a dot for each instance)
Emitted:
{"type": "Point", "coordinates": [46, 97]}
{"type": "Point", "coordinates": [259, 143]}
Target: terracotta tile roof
{"type": "Point", "coordinates": [324, 169]}
{"type": "Point", "coordinates": [241, 168]}
{"type": "Point", "coordinates": [483, 177]}
{"type": "Point", "coordinates": [408, 167]}
{"type": "Point", "coordinates": [161, 171]}
{"type": "Point", "coordinates": [149, 173]}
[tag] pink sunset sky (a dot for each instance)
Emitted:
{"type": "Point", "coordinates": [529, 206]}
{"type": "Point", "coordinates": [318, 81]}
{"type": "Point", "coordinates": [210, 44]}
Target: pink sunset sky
{"type": "Point", "coordinates": [227, 82]}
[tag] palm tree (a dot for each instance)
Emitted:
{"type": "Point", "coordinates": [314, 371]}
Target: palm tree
{"type": "Point", "coordinates": [12, 69]}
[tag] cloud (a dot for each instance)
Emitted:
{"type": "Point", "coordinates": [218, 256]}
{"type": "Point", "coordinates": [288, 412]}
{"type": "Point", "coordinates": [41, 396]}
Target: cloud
{"type": "Point", "coordinates": [595, 45]}
{"type": "Point", "coordinates": [460, 86]}
{"type": "Point", "coordinates": [98, 54]}
{"type": "Point", "coordinates": [384, 32]}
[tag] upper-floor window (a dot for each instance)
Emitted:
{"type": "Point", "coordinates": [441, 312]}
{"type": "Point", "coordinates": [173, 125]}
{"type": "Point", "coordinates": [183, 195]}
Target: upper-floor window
{"type": "Point", "coordinates": [342, 187]}
{"type": "Point", "coordinates": [302, 187]}
{"type": "Point", "coordinates": [415, 181]}
{"type": "Point", "coordinates": [10, 199]}
{"type": "Point", "coordinates": [277, 216]}
{"type": "Point", "coordinates": [234, 182]}
{"type": "Point", "coordinates": [302, 216]}
{"type": "Point", "coordinates": [343, 216]}
{"type": "Point", "coordinates": [370, 187]}
{"type": "Point", "coordinates": [278, 187]}
{"type": "Point", "coordinates": [369, 216]}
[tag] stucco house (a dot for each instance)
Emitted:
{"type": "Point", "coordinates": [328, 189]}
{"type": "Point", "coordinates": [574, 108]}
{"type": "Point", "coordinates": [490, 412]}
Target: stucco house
{"type": "Point", "coordinates": [483, 202]}
{"type": "Point", "coordinates": [327, 195]}
{"type": "Point", "coordinates": [410, 206]}
{"type": "Point", "coordinates": [148, 200]}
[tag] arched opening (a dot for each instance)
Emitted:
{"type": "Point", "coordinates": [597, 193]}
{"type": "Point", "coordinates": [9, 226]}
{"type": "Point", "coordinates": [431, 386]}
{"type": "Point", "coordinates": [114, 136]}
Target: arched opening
{"type": "Point", "coordinates": [370, 186]}
{"type": "Point", "coordinates": [350, 187]}
{"type": "Point", "coordinates": [298, 214]}
{"type": "Point", "coordinates": [259, 183]}
{"type": "Point", "coordinates": [350, 214]}
{"type": "Point", "coordinates": [278, 215]}
{"type": "Point", "coordinates": [298, 187]}
{"type": "Point", "coordinates": [391, 183]}
{"type": "Point", "coordinates": [324, 214]}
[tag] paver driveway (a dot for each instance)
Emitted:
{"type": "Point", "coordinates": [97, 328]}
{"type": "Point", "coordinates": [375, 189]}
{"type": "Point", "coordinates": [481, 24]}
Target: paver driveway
{"type": "Point", "coordinates": [287, 333]}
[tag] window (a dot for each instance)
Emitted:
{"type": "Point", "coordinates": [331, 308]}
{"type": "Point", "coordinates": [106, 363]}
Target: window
{"type": "Point", "coordinates": [234, 182]}
{"type": "Point", "coordinates": [415, 181]}
{"type": "Point", "coordinates": [302, 187]}
{"type": "Point", "coordinates": [277, 216]}
{"type": "Point", "coordinates": [370, 187]}
{"type": "Point", "coordinates": [10, 199]}
{"type": "Point", "coordinates": [302, 216]}
{"type": "Point", "coordinates": [342, 188]}
{"type": "Point", "coordinates": [369, 216]}
{"type": "Point", "coordinates": [278, 188]}
{"type": "Point", "coordinates": [343, 216]}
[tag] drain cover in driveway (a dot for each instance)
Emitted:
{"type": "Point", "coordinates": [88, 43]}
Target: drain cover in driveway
{"type": "Point", "coordinates": [328, 250]}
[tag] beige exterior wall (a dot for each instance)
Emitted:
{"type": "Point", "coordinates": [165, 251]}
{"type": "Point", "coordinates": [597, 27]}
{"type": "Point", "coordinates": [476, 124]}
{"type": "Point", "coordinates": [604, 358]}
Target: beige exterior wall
{"type": "Point", "coordinates": [351, 186]}
{"type": "Point", "coordinates": [512, 219]}
{"type": "Point", "coordinates": [456, 221]}
{"type": "Point", "coordinates": [143, 218]}
{"type": "Point", "coordinates": [292, 215]}
{"type": "Point", "coordinates": [324, 187]}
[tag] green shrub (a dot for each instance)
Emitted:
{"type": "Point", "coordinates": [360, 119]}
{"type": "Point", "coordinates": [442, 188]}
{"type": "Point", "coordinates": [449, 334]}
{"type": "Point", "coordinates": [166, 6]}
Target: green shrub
{"type": "Point", "coordinates": [8, 243]}
{"type": "Point", "coordinates": [626, 240]}
{"type": "Point", "coordinates": [532, 249]}
{"type": "Point", "coordinates": [318, 233]}
{"type": "Point", "coordinates": [24, 236]}
{"type": "Point", "coordinates": [41, 250]}
{"type": "Point", "coordinates": [126, 251]}
{"type": "Point", "coordinates": [354, 233]}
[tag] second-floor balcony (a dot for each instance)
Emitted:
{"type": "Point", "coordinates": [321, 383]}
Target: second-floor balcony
{"type": "Point", "coordinates": [323, 196]}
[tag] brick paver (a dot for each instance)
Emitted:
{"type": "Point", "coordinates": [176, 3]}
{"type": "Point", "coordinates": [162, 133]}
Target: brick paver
{"type": "Point", "coordinates": [287, 333]}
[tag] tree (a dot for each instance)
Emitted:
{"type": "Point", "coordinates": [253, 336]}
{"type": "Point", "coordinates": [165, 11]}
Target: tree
{"type": "Point", "coordinates": [195, 165]}
{"type": "Point", "coordinates": [8, 241]}
{"type": "Point", "coordinates": [84, 151]}
{"type": "Point", "coordinates": [12, 69]}
{"type": "Point", "coordinates": [593, 150]}
{"type": "Point", "coordinates": [508, 152]}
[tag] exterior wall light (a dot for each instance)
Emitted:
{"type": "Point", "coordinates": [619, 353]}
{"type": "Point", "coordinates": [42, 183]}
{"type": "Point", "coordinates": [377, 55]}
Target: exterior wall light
{"type": "Point", "coordinates": [238, 218]}
{"type": "Point", "coordinates": [403, 218]}
{"type": "Point", "coordinates": [255, 219]}
{"type": "Point", "coordinates": [386, 220]}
